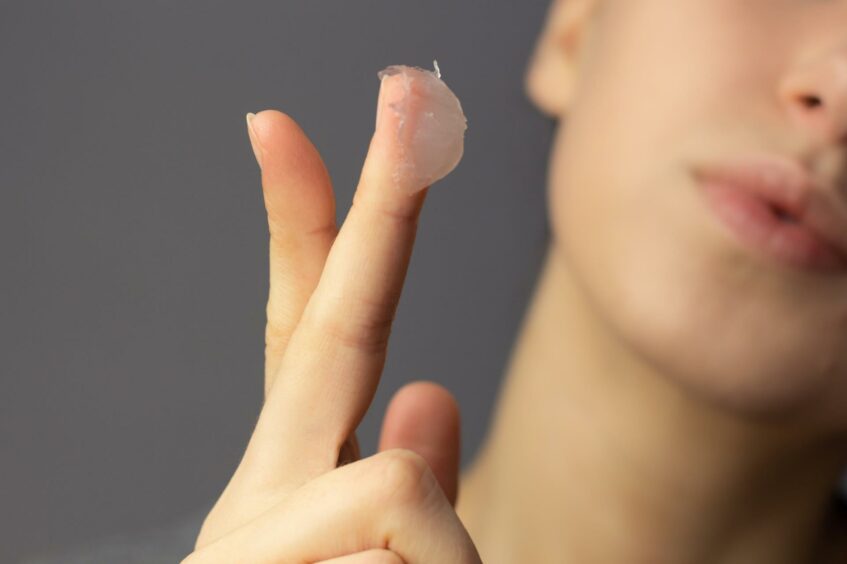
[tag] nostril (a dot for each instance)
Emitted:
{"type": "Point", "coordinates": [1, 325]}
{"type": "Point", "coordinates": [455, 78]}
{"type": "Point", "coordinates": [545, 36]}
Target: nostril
{"type": "Point", "coordinates": [811, 101]}
{"type": "Point", "coordinates": [782, 214]}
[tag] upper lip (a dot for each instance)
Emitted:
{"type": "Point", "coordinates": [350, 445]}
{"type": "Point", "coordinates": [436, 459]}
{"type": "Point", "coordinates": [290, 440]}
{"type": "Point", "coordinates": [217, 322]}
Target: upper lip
{"type": "Point", "coordinates": [787, 185]}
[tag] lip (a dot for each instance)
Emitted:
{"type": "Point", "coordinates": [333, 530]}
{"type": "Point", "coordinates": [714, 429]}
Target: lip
{"type": "Point", "coordinates": [746, 194]}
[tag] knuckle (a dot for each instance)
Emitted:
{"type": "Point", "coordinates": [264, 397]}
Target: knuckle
{"type": "Point", "coordinates": [288, 239]}
{"type": "Point", "coordinates": [367, 332]}
{"type": "Point", "coordinates": [327, 230]}
{"type": "Point", "coordinates": [405, 477]}
{"type": "Point", "coordinates": [282, 311]}
{"type": "Point", "coordinates": [277, 333]}
{"type": "Point", "coordinates": [390, 210]}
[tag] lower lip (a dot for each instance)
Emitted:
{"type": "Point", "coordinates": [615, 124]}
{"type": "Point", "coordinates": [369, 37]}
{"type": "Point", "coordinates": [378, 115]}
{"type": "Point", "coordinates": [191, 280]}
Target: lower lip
{"type": "Point", "coordinates": [756, 226]}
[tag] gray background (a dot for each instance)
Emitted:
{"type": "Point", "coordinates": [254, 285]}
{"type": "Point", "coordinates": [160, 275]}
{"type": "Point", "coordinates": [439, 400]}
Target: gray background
{"type": "Point", "coordinates": [134, 241]}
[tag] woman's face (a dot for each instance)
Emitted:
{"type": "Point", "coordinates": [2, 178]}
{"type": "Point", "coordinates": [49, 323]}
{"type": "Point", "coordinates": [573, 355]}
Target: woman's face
{"type": "Point", "coordinates": [665, 86]}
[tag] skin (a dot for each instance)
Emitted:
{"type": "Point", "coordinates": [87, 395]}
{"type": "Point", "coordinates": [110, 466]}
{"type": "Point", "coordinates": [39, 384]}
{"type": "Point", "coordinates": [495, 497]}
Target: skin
{"type": "Point", "coordinates": [688, 394]}
{"type": "Point", "coordinates": [672, 396]}
{"type": "Point", "coordinates": [329, 320]}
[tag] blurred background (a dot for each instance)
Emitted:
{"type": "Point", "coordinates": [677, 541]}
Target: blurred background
{"type": "Point", "coordinates": [134, 240]}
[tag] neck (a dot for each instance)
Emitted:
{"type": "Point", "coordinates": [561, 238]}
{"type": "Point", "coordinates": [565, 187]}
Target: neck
{"type": "Point", "coordinates": [592, 456]}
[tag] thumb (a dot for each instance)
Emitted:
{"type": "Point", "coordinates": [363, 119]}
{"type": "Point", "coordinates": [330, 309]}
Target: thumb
{"type": "Point", "coordinates": [424, 417]}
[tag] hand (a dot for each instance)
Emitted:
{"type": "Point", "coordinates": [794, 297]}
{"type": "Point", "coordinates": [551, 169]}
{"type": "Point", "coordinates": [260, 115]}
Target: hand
{"type": "Point", "coordinates": [333, 296]}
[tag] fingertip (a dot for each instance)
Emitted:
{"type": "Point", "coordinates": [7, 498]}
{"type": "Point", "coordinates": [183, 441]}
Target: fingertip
{"type": "Point", "coordinates": [424, 416]}
{"type": "Point", "coordinates": [420, 128]}
{"type": "Point", "coordinates": [270, 123]}
{"type": "Point", "coordinates": [281, 135]}
{"type": "Point", "coordinates": [295, 180]}
{"type": "Point", "coordinates": [429, 394]}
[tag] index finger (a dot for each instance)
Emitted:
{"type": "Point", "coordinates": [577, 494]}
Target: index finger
{"type": "Point", "coordinates": [335, 356]}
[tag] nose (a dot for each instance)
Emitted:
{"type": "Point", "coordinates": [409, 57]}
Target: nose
{"type": "Point", "coordinates": [815, 97]}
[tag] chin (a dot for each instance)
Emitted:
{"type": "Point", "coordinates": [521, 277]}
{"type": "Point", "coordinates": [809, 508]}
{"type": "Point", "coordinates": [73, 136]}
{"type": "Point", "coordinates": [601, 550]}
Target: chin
{"type": "Point", "coordinates": [764, 389]}
{"type": "Point", "coordinates": [754, 356]}
{"type": "Point", "coordinates": [758, 354]}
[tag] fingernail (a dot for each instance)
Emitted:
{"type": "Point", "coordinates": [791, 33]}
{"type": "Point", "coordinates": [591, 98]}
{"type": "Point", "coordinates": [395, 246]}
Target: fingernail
{"type": "Point", "coordinates": [379, 102]}
{"type": "Point", "coordinates": [254, 139]}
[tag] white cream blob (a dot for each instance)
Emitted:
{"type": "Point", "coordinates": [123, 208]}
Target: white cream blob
{"type": "Point", "coordinates": [428, 125]}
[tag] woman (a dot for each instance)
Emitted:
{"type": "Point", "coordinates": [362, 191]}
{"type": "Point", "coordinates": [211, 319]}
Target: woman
{"type": "Point", "coordinates": [677, 392]}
